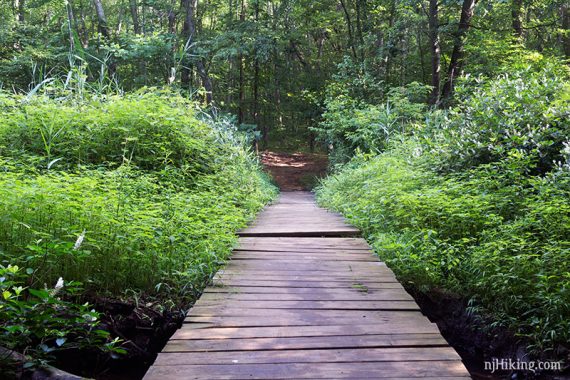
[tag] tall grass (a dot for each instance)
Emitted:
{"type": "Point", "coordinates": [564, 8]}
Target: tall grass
{"type": "Point", "coordinates": [156, 189]}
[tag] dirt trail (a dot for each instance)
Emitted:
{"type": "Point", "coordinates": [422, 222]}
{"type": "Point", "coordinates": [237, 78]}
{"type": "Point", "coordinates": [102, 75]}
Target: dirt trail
{"type": "Point", "coordinates": [295, 171]}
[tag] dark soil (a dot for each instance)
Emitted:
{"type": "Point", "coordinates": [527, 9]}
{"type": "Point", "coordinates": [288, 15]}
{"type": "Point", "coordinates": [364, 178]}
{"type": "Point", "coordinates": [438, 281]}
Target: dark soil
{"type": "Point", "coordinates": [295, 171]}
{"type": "Point", "coordinates": [144, 331]}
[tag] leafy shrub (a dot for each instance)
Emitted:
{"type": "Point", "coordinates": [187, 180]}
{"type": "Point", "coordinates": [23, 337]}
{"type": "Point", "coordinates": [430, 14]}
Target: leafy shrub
{"type": "Point", "coordinates": [42, 320]}
{"type": "Point", "coordinates": [144, 129]}
{"type": "Point", "coordinates": [488, 233]}
{"type": "Point", "coordinates": [527, 110]}
{"type": "Point", "coordinates": [475, 201]}
{"type": "Point", "coordinates": [352, 125]}
{"type": "Point", "coordinates": [139, 193]}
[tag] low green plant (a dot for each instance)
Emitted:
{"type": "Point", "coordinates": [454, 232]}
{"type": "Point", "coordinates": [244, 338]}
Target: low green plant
{"type": "Point", "coordinates": [40, 321]}
{"type": "Point", "coordinates": [125, 194]}
{"type": "Point", "coordinates": [475, 201]}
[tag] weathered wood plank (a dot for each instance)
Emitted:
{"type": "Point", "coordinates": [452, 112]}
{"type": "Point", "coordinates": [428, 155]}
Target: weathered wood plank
{"type": "Point", "coordinates": [301, 290]}
{"type": "Point", "coordinates": [363, 285]}
{"type": "Point", "coordinates": [279, 317]}
{"type": "Point", "coordinates": [333, 305]}
{"type": "Point", "coordinates": [358, 355]}
{"type": "Point", "coordinates": [384, 295]}
{"type": "Point", "coordinates": [356, 314]}
{"type": "Point", "coordinates": [364, 370]}
{"type": "Point", "coordinates": [186, 333]}
{"type": "Point", "coordinates": [300, 343]}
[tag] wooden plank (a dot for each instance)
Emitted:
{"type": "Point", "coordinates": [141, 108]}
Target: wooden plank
{"type": "Point", "coordinates": [255, 321]}
{"type": "Point", "coordinates": [334, 305]}
{"type": "Point", "coordinates": [227, 279]}
{"type": "Point", "coordinates": [301, 289]}
{"type": "Point", "coordinates": [363, 285]}
{"type": "Point", "coordinates": [280, 317]}
{"type": "Point", "coordinates": [299, 275]}
{"type": "Point", "coordinates": [358, 315]}
{"type": "Point", "coordinates": [187, 333]}
{"type": "Point", "coordinates": [364, 370]}
{"type": "Point", "coordinates": [300, 343]}
{"type": "Point", "coordinates": [287, 276]}
{"type": "Point", "coordinates": [306, 257]}
{"type": "Point", "coordinates": [271, 243]}
{"type": "Point", "coordinates": [384, 295]}
{"type": "Point", "coordinates": [356, 355]}
{"type": "Point", "coordinates": [314, 266]}
{"type": "Point", "coordinates": [299, 232]}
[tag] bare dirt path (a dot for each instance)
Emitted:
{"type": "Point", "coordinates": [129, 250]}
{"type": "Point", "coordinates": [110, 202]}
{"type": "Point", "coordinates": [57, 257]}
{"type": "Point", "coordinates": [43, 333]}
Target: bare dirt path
{"type": "Point", "coordinates": [295, 171]}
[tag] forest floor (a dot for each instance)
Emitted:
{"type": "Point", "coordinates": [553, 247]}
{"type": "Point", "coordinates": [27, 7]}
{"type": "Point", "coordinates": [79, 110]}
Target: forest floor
{"type": "Point", "coordinates": [295, 171]}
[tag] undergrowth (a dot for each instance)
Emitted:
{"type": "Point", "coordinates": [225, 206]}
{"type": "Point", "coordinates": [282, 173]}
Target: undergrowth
{"type": "Point", "coordinates": [113, 195]}
{"type": "Point", "coordinates": [475, 201]}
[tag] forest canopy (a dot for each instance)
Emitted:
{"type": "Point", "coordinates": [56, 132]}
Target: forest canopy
{"type": "Point", "coordinates": [270, 62]}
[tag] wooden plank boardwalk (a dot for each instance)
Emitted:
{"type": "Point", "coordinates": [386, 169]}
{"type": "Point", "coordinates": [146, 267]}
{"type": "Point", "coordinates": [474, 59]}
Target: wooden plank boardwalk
{"type": "Point", "coordinates": [304, 298]}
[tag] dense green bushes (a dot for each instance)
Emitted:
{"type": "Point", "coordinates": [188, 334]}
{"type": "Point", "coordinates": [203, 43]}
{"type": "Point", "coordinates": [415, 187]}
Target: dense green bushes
{"type": "Point", "coordinates": [476, 201]}
{"type": "Point", "coordinates": [139, 193]}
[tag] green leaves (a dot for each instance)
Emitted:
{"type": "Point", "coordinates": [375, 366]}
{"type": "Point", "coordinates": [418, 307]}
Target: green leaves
{"type": "Point", "coordinates": [494, 231]}
{"type": "Point", "coordinates": [142, 193]}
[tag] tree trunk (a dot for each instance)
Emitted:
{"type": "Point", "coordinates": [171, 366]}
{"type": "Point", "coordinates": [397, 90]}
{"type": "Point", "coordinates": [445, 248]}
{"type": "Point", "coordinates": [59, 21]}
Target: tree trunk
{"type": "Point", "coordinates": [189, 32]}
{"type": "Point", "coordinates": [516, 12]}
{"type": "Point", "coordinates": [241, 96]}
{"type": "Point", "coordinates": [256, 116]}
{"type": "Point", "coordinates": [349, 28]}
{"type": "Point", "coordinates": [103, 29]}
{"type": "Point", "coordinates": [135, 16]}
{"type": "Point", "coordinates": [82, 28]}
{"type": "Point", "coordinates": [456, 61]}
{"type": "Point", "coordinates": [433, 22]}
{"type": "Point", "coordinates": [566, 29]}
{"type": "Point", "coordinates": [19, 6]}
{"type": "Point", "coordinates": [388, 58]}
{"type": "Point", "coordinates": [172, 18]}
{"type": "Point", "coordinates": [359, 29]}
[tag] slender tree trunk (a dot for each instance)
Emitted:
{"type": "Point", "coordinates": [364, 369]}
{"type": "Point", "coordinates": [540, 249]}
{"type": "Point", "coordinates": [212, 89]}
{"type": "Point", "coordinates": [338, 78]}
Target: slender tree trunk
{"type": "Point", "coordinates": [135, 16]}
{"type": "Point", "coordinates": [456, 61]}
{"type": "Point", "coordinates": [20, 6]}
{"type": "Point", "coordinates": [172, 18]}
{"type": "Point", "coordinates": [419, 39]}
{"type": "Point", "coordinates": [435, 50]}
{"type": "Point", "coordinates": [256, 116]}
{"type": "Point", "coordinates": [516, 12]}
{"type": "Point", "coordinates": [241, 63]}
{"type": "Point", "coordinates": [360, 33]}
{"type": "Point", "coordinates": [189, 33]}
{"type": "Point", "coordinates": [566, 28]}
{"type": "Point", "coordinates": [391, 22]}
{"type": "Point", "coordinates": [349, 28]}
{"type": "Point", "coordinates": [103, 29]}
{"type": "Point", "coordinates": [84, 32]}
